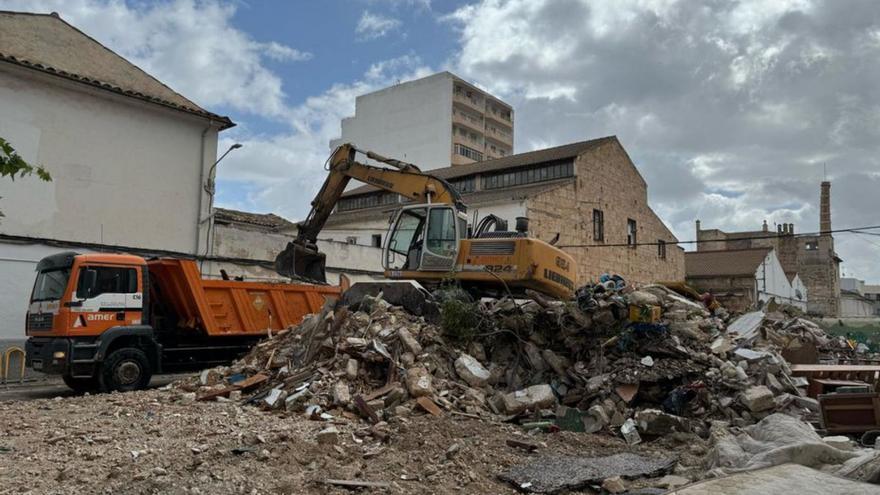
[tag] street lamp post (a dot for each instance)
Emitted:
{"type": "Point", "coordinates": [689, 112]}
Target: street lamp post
{"type": "Point", "coordinates": [210, 188]}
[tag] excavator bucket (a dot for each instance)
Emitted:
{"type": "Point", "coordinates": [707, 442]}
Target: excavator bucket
{"type": "Point", "coordinates": [299, 261]}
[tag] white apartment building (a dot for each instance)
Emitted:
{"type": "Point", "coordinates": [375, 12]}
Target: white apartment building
{"type": "Point", "coordinates": [433, 122]}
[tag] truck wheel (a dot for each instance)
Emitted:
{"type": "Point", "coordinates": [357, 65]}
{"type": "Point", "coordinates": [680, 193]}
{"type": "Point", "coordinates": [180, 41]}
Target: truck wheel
{"type": "Point", "coordinates": [81, 385]}
{"type": "Point", "coordinates": [125, 370]}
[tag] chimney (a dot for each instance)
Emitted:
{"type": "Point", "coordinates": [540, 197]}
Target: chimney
{"type": "Point", "coordinates": [791, 228]}
{"type": "Point", "coordinates": [825, 208]}
{"type": "Point", "coordinates": [779, 228]}
{"type": "Point", "coordinates": [764, 227]}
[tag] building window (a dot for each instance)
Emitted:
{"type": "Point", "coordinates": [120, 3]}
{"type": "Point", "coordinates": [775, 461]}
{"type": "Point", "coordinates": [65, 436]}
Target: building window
{"type": "Point", "coordinates": [351, 240]}
{"type": "Point", "coordinates": [631, 233]}
{"type": "Point", "coordinates": [598, 225]}
{"type": "Point", "coordinates": [377, 240]}
{"type": "Point", "coordinates": [661, 249]}
{"type": "Point", "coordinates": [471, 153]}
{"type": "Point", "coordinates": [367, 201]}
{"type": "Point", "coordinates": [812, 246]}
{"type": "Point", "coordinates": [540, 173]}
{"type": "Point", "coordinates": [465, 185]}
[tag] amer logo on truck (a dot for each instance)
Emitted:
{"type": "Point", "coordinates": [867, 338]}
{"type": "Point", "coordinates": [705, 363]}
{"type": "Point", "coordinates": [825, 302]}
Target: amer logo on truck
{"type": "Point", "coordinates": [100, 317]}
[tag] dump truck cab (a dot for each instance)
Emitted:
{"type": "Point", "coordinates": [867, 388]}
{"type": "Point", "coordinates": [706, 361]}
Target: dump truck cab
{"type": "Point", "coordinates": [85, 308]}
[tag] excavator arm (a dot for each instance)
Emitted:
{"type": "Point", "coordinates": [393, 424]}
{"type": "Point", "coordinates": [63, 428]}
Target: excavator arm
{"type": "Point", "coordinates": [301, 258]}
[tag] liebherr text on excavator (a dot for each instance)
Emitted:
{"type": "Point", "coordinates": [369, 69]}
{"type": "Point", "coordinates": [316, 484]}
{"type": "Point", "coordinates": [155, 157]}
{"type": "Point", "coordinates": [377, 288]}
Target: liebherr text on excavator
{"type": "Point", "coordinates": [429, 241]}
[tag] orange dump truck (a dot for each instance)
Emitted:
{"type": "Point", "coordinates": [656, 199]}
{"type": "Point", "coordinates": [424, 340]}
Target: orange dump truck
{"type": "Point", "coordinates": [110, 321]}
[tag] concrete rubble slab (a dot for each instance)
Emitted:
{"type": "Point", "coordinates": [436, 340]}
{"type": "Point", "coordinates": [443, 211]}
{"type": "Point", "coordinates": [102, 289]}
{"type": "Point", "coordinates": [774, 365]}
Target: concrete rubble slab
{"type": "Point", "coordinates": [553, 474]}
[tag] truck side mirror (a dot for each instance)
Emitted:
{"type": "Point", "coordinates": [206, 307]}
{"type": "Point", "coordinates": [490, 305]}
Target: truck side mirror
{"type": "Point", "coordinates": [87, 282]}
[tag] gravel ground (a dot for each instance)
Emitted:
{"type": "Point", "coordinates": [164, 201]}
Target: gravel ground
{"type": "Point", "coordinates": [156, 442]}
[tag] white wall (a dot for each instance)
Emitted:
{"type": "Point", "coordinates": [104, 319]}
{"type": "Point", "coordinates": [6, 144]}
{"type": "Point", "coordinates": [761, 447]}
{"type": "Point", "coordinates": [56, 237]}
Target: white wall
{"type": "Point", "coordinates": [852, 306]}
{"type": "Point", "coordinates": [410, 122]}
{"type": "Point", "coordinates": [773, 283]}
{"type": "Point", "coordinates": [17, 265]}
{"type": "Point", "coordinates": [124, 172]}
{"type": "Point", "coordinates": [235, 242]}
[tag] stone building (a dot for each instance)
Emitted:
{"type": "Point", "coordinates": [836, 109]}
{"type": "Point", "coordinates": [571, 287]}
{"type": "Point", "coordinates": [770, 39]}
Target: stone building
{"type": "Point", "coordinates": [742, 278]}
{"type": "Point", "coordinates": [588, 194]}
{"type": "Point", "coordinates": [811, 257]}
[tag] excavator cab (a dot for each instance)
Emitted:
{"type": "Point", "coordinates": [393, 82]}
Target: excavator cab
{"type": "Point", "coordinates": [424, 238]}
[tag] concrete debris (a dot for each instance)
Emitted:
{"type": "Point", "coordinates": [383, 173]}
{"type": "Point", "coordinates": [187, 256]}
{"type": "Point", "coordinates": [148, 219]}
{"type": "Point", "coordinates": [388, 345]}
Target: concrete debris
{"type": "Point", "coordinates": [471, 371]}
{"type": "Point", "coordinates": [553, 474]}
{"type": "Point", "coordinates": [758, 398]}
{"type": "Point", "coordinates": [613, 484]}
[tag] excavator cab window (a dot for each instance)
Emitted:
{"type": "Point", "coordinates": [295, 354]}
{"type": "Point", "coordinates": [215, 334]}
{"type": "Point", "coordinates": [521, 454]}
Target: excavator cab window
{"type": "Point", "coordinates": [423, 238]}
{"type": "Point", "coordinates": [403, 251]}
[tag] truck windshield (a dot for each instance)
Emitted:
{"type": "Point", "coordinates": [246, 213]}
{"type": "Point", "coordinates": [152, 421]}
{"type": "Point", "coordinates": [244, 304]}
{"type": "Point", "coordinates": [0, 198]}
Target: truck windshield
{"type": "Point", "coordinates": [50, 284]}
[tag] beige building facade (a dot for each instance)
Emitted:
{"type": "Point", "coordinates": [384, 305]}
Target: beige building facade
{"type": "Point", "coordinates": [588, 196]}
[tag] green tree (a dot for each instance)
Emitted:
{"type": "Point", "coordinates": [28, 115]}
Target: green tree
{"type": "Point", "coordinates": [12, 165]}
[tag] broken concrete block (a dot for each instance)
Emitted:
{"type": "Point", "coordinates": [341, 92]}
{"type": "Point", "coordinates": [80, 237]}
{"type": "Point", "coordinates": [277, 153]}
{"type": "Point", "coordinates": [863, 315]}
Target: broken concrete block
{"type": "Point", "coordinates": [720, 345]}
{"type": "Point", "coordinates": [629, 432]}
{"type": "Point", "coordinates": [613, 484]}
{"type": "Point", "coordinates": [757, 398]}
{"type": "Point", "coordinates": [773, 384]}
{"type": "Point", "coordinates": [557, 363]}
{"type": "Point", "coordinates": [671, 482]}
{"type": "Point", "coordinates": [643, 298]}
{"type": "Point", "coordinates": [351, 369]}
{"type": "Point", "coordinates": [411, 344]}
{"type": "Point", "coordinates": [471, 371]}
{"type": "Point", "coordinates": [341, 394]}
{"type": "Point", "coordinates": [839, 442]}
{"type": "Point", "coordinates": [647, 361]}
{"type": "Point", "coordinates": [328, 436]}
{"type": "Point", "coordinates": [275, 398]}
{"type": "Point", "coordinates": [595, 419]}
{"type": "Point", "coordinates": [210, 377]}
{"type": "Point", "coordinates": [418, 381]}
{"type": "Point", "coordinates": [657, 422]}
{"type": "Point", "coordinates": [534, 397]}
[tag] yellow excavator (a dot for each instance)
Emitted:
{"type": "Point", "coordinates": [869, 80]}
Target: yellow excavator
{"type": "Point", "coordinates": [429, 241]}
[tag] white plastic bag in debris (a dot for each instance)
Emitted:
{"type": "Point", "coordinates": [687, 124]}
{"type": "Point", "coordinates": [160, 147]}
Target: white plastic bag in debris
{"type": "Point", "coordinates": [780, 439]}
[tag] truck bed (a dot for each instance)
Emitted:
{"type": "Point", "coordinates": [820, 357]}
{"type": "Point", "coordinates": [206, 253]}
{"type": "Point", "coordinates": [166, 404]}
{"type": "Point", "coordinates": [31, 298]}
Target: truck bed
{"type": "Point", "coordinates": [230, 307]}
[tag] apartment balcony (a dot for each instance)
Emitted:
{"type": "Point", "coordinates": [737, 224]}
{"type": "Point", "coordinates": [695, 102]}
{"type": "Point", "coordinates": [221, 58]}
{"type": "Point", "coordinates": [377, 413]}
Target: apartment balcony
{"type": "Point", "coordinates": [494, 131]}
{"type": "Point", "coordinates": [499, 117]}
{"type": "Point", "coordinates": [472, 102]}
{"type": "Point", "coordinates": [468, 121]}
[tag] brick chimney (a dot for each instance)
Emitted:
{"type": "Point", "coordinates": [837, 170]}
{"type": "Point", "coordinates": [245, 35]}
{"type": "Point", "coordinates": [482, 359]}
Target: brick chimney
{"type": "Point", "coordinates": [825, 208]}
{"type": "Point", "coordinates": [765, 228]}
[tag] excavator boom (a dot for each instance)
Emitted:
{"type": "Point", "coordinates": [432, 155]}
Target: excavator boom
{"type": "Point", "coordinates": [301, 258]}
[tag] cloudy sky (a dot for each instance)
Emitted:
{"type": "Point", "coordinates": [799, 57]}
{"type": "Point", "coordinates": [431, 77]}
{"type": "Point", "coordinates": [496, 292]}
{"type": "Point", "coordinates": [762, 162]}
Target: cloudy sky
{"type": "Point", "coordinates": [732, 110]}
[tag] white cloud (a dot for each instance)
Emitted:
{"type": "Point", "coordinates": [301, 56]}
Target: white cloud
{"type": "Point", "coordinates": [192, 46]}
{"type": "Point", "coordinates": [372, 26]}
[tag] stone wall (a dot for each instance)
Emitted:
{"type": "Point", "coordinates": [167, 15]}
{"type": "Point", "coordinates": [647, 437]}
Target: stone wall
{"type": "Point", "coordinates": [607, 180]}
{"type": "Point", "coordinates": [736, 294]}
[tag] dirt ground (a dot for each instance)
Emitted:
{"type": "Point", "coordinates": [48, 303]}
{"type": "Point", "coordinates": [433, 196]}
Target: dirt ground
{"type": "Point", "coordinates": [155, 442]}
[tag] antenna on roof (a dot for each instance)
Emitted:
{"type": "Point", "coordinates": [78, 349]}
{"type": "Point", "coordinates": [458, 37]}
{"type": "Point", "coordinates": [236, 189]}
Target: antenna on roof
{"type": "Point", "coordinates": [824, 171]}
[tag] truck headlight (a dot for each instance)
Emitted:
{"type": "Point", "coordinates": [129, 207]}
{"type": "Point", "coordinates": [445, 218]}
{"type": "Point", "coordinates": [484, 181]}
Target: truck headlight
{"type": "Point", "coordinates": [58, 355]}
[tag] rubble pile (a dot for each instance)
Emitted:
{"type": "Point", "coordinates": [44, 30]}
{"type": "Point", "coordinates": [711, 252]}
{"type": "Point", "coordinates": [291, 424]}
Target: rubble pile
{"type": "Point", "coordinates": [630, 361]}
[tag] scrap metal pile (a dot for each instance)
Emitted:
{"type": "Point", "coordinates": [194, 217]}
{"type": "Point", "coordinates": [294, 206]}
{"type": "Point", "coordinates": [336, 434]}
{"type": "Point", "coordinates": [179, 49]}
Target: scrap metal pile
{"type": "Point", "coordinates": [634, 362]}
